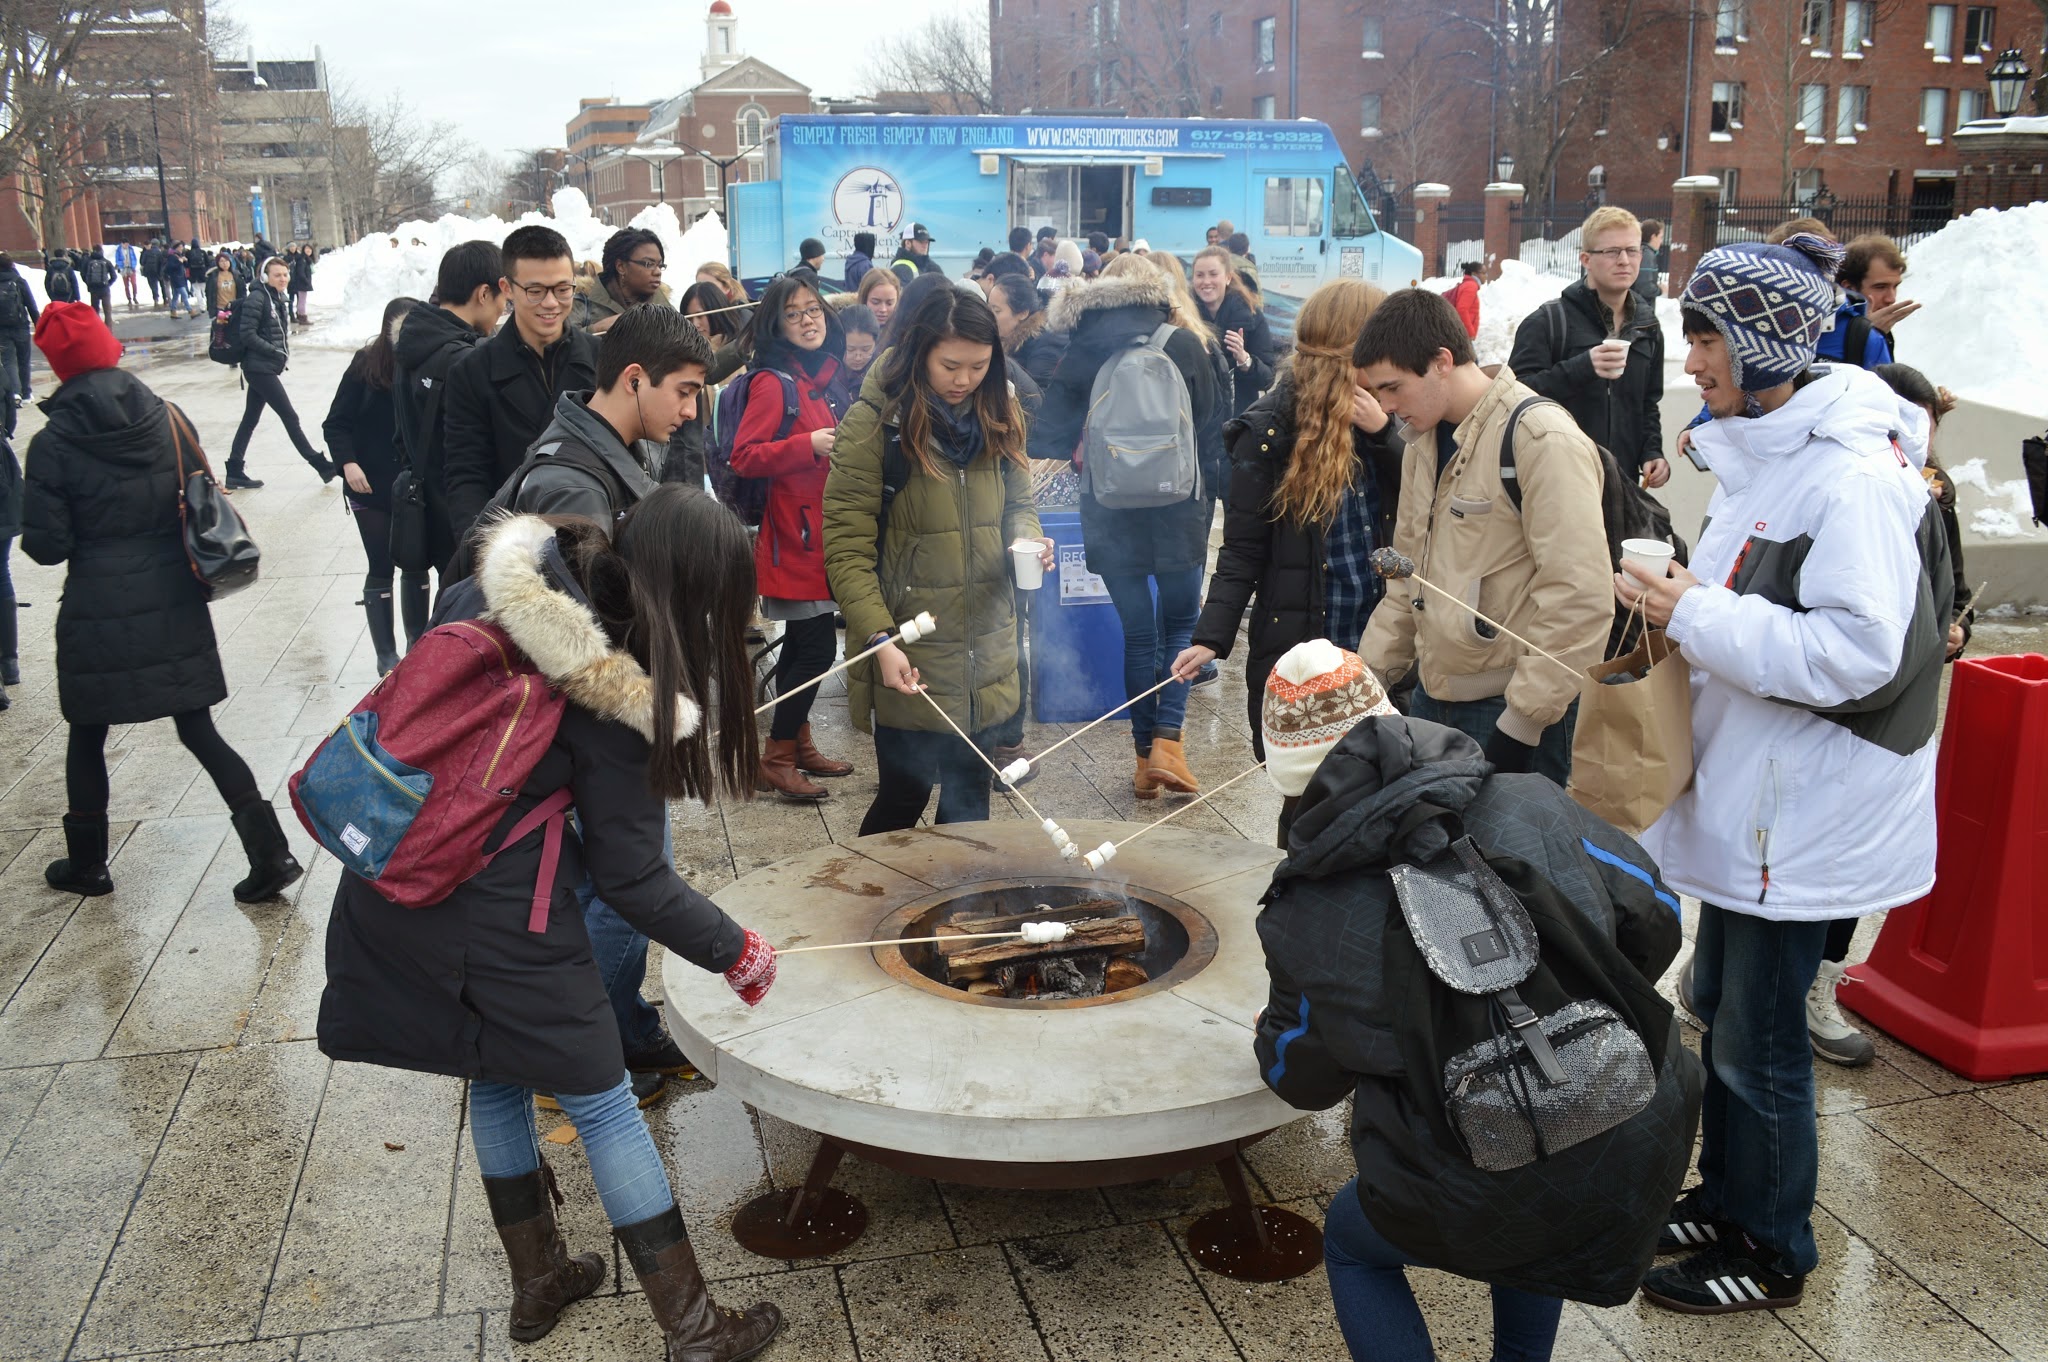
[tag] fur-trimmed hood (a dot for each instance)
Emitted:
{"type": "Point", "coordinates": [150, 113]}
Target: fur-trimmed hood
{"type": "Point", "coordinates": [1082, 296]}
{"type": "Point", "coordinates": [558, 632]}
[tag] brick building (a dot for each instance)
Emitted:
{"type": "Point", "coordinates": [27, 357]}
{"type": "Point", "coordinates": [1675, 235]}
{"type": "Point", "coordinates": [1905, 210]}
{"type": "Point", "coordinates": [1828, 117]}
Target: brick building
{"type": "Point", "coordinates": [688, 146]}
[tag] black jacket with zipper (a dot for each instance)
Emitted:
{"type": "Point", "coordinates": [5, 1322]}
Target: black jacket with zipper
{"type": "Point", "coordinates": [501, 396]}
{"type": "Point", "coordinates": [1232, 314]}
{"type": "Point", "coordinates": [429, 340]}
{"type": "Point", "coordinates": [1557, 362]}
{"type": "Point", "coordinates": [361, 428]}
{"type": "Point", "coordinates": [1278, 566]}
{"type": "Point", "coordinates": [262, 325]}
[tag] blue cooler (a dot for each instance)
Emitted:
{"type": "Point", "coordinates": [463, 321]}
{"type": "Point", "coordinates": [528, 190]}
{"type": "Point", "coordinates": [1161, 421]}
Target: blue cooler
{"type": "Point", "coordinates": [1077, 642]}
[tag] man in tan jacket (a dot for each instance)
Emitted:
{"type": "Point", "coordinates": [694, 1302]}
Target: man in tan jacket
{"type": "Point", "coordinates": [1537, 563]}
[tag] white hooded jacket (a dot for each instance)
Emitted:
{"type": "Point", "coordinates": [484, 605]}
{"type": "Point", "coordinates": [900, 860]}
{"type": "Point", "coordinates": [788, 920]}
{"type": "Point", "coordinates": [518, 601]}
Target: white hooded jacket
{"type": "Point", "coordinates": [1814, 596]}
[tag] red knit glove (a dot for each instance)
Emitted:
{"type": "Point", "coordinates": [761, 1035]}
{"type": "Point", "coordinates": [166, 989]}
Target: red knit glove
{"type": "Point", "coordinates": [754, 971]}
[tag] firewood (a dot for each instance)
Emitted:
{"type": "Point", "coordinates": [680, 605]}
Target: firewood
{"type": "Point", "coordinates": [1117, 935]}
{"type": "Point", "coordinates": [1122, 974]}
{"type": "Point", "coordinates": [1010, 922]}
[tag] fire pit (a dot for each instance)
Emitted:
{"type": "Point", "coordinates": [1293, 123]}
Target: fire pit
{"type": "Point", "coordinates": [932, 1059]}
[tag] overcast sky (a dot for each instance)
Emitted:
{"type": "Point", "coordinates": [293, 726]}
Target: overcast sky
{"type": "Point", "coordinates": [508, 73]}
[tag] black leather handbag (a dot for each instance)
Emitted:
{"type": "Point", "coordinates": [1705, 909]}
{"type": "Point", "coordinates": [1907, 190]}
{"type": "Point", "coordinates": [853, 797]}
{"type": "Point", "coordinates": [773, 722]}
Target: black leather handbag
{"type": "Point", "coordinates": [218, 545]}
{"type": "Point", "coordinates": [409, 550]}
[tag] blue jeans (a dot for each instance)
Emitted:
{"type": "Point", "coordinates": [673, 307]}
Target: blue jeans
{"type": "Point", "coordinates": [1155, 634]}
{"type": "Point", "coordinates": [620, 950]}
{"type": "Point", "coordinates": [181, 297]}
{"type": "Point", "coordinates": [1759, 1145]}
{"type": "Point", "coordinates": [630, 1177]}
{"type": "Point", "coordinates": [1477, 719]}
{"type": "Point", "coordinates": [909, 762]}
{"type": "Point", "coordinates": [1376, 1308]}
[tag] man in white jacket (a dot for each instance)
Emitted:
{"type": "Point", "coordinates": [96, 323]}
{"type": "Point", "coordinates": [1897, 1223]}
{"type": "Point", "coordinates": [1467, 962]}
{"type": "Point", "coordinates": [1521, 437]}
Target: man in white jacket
{"type": "Point", "coordinates": [1813, 618]}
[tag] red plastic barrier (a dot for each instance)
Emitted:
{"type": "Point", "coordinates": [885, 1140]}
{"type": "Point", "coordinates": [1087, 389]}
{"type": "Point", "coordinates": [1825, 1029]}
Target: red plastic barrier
{"type": "Point", "coordinates": [1962, 975]}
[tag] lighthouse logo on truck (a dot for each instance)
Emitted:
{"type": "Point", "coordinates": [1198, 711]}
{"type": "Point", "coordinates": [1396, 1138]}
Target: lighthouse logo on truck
{"type": "Point", "coordinates": [868, 200]}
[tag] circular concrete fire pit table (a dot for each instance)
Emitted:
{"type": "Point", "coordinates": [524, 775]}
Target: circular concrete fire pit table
{"type": "Point", "coordinates": [907, 1071]}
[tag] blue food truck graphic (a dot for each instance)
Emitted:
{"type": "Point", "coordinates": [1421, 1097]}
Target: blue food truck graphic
{"type": "Point", "coordinates": [968, 180]}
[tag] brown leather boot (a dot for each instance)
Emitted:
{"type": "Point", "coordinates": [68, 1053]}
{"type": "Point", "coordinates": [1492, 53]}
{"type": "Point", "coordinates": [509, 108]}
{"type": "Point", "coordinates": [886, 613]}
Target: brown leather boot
{"type": "Point", "coordinates": [1145, 785]}
{"type": "Point", "coordinates": [545, 1279]}
{"type": "Point", "coordinates": [778, 773]}
{"type": "Point", "coordinates": [1170, 764]}
{"type": "Point", "coordinates": [812, 762]}
{"type": "Point", "coordinates": [695, 1328]}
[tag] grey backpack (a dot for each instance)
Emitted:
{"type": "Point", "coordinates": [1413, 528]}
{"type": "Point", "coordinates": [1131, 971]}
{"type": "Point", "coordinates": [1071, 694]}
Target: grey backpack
{"type": "Point", "coordinates": [1139, 446]}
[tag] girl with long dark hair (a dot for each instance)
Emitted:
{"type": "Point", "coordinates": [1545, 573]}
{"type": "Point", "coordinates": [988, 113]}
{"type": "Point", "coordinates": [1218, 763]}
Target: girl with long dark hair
{"type": "Point", "coordinates": [798, 350]}
{"type": "Point", "coordinates": [643, 635]}
{"type": "Point", "coordinates": [1020, 315]}
{"type": "Point", "coordinates": [937, 413]}
{"type": "Point", "coordinates": [726, 327]}
{"type": "Point", "coordinates": [362, 432]}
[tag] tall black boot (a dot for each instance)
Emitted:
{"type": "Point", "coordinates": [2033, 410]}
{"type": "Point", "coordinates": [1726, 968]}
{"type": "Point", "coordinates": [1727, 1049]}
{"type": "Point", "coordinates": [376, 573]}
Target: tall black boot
{"type": "Point", "coordinates": [545, 1279]}
{"type": "Point", "coordinates": [84, 869]}
{"type": "Point", "coordinates": [271, 863]}
{"type": "Point", "coordinates": [412, 605]}
{"type": "Point", "coordinates": [695, 1328]}
{"type": "Point", "coordinates": [10, 645]}
{"type": "Point", "coordinates": [377, 610]}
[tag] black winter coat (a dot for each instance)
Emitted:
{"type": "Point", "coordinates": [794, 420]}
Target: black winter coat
{"type": "Point", "coordinates": [302, 273]}
{"type": "Point", "coordinates": [1100, 317]}
{"type": "Point", "coordinates": [1329, 1031]}
{"type": "Point", "coordinates": [1233, 315]}
{"type": "Point", "coordinates": [11, 490]}
{"type": "Point", "coordinates": [362, 429]}
{"type": "Point", "coordinates": [1277, 566]}
{"type": "Point", "coordinates": [1040, 354]}
{"type": "Point", "coordinates": [501, 396]}
{"type": "Point", "coordinates": [463, 988]}
{"type": "Point", "coordinates": [134, 637]}
{"type": "Point", "coordinates": [213, 287]}
{"type": "Point", "coordinates": [263, 325]}
{"type": "Point", "coordinates": [1620, 413]}
{"type": "Point", "coordinates": [430, 339]}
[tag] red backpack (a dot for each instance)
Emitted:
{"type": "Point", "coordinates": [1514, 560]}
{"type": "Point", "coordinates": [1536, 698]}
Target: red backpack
{"type": "Point", "coordinates": [406, 789]}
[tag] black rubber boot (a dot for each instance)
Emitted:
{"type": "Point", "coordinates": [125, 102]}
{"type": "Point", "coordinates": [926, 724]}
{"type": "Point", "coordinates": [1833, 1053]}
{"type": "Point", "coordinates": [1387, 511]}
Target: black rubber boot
{"type": "Point", "coordinates": [271, 863]}
{"type": "Point", "coordinates": [10, 646]}
{"type": "Point", "coordinates": [412, 605]}
{"type": "Point", "coordinates": [377, 609]}
{"type": "Point", "coordinates": [84, 869]}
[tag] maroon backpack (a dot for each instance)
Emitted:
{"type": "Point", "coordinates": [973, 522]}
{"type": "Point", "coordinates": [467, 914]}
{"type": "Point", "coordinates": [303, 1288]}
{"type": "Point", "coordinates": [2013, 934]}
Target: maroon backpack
{"type": "Point", "coordinates": [406, 789]}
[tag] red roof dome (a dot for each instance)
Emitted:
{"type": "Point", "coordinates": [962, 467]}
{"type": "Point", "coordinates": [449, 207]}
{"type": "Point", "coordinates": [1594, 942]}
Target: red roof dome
{"type": "Point", "coordinates": [720, 7]}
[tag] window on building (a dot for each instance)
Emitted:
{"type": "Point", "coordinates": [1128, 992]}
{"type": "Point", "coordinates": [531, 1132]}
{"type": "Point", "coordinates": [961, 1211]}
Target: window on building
{"type": "Point", "coordinates": [1731, 184]}
{"type": "Point", "coordinates": [1372, 38]}
{"type": "Point", "coordinates": [1263, 42]}
{"type": "Point", "coordinates": [1934, 113]}
{"type": "Point", "coordinates": [1852, 112]}
{"type": "Point", "coordinates": [710, 178]}
{"type": "Point", "coordinates": [1859, 25]}
{"type": "Point", "coordinates": [1816, 22]}
{"type": "Point", "coordinates": [1813, 112]}
{"type": "Point", "coordinates": [1969, 106]}
{"type": "Point", "coordinates": [1294, 205]}
{"type": "Point", "coordinates": [1978, 24]}
{"type": "Point", "coordinates": [752, 120]}
{"type": "Point", "coordinates": [1941, 31]}
{"type": "Point", "coordinates": [1726, 115]}
{"type": "Point", "coordinates": [1095, 23]}
{"type": "Point", "coordinates": [1731, 22]}
{"type": "Point", "coordinates": [1369, 116]}
{"type": "Point", "coordinates": [1262, 106]}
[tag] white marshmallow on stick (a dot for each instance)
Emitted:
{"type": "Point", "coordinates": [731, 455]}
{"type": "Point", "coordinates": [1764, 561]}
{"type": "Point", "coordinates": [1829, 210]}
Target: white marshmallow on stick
{"type": "Point", "coordinates": [910, 631]}
{"type": "Point", "coordinates": [1031, 933]}
{"type": "Point", "coordinates": [1106, 853]}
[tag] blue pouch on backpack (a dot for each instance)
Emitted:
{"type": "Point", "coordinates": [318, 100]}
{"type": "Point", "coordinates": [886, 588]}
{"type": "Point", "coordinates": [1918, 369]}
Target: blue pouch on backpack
{"type": "Point", "coordinates": [359, 800]}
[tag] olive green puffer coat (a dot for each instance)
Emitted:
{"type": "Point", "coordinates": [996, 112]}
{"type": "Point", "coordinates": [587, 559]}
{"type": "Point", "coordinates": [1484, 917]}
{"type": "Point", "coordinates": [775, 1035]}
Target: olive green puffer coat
{"type": "Point", "coordinates": [946, 551]}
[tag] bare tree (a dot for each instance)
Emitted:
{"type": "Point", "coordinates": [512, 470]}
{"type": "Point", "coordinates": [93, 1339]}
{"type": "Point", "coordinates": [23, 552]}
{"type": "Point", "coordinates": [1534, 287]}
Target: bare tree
{"type": "Point", "coordinates": [948, 57]}
{"type": "Point", "coordinates": [45, 105]}
{"type": "Point", "coordinates": [390, 162]}
{"type": "Point", "coordinates": [1148, 57]}
{"type": "Point", "coordinates": [1417, 139]}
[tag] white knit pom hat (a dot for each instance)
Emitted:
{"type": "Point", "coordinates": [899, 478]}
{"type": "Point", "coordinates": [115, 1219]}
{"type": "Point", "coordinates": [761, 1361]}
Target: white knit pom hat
{"type": "Point", "coordinates": [1315, 695]}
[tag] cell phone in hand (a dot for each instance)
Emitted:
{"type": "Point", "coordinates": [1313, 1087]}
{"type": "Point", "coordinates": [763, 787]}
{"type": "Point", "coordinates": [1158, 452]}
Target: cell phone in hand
{"type": "Point", "coordinates": [1694, 455]}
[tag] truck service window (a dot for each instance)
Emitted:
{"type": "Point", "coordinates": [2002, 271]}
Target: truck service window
{"type": "Point", "coordinates": [1294, 205]}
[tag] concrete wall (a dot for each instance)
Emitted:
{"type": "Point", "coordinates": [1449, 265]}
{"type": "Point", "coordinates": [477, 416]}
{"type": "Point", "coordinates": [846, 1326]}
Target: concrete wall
{"type": "Point", "coordinates": [2013, 571]}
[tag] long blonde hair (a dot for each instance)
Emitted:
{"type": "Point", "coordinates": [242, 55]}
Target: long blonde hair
{"type": "Point", "coordinates": [1320, 373]}
{"type": "Point", "coordinates": [1181, 310]}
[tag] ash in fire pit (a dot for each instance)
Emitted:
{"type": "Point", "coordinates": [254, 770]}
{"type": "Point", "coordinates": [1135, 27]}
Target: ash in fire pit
{"type": "Point", "coordinates": [1118, 944]}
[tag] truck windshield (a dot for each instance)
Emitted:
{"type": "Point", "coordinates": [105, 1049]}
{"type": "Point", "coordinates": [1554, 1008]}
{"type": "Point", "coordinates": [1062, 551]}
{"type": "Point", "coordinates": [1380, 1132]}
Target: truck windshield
{"type": "Point", "coordinates": [1349, 217]}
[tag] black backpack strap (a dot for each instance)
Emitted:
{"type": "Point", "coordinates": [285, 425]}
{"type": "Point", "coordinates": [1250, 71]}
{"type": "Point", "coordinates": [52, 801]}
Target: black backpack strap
{"type": "Point", "coordinates": [1856, 340]}
{"type": "Point", "coordinates": [1509, 479]}
{"type": "Point", "coordinates": [1553, 312]}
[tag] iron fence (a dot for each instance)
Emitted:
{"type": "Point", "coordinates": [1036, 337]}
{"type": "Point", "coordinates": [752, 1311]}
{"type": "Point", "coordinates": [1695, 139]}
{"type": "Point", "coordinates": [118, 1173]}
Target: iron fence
{"type": "Point", "coordinates": [1846, 218]}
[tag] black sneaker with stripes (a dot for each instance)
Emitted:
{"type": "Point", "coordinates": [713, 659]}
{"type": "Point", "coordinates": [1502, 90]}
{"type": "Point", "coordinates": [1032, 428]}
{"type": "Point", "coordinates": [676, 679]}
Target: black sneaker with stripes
{"type": "Point", "coordinates": [1723, 1280]}
{"type": "Point", "coordinates": [1690, 1227]}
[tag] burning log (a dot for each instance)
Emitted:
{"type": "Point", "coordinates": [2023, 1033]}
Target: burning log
{"type": "Point", "coordinates": [1105, 936]}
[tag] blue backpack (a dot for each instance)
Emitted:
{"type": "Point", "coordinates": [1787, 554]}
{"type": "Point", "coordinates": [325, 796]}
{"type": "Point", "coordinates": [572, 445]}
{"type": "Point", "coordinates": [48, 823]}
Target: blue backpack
{"type": "Point", "coordinates": [748, 497]}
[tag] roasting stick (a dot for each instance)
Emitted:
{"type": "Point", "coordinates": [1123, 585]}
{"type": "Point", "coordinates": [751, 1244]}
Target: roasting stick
{"type": "Point", "coordinates": [1106, 853]}
{"type": "Point", "coordinates": [1014, 772]}
{"type": "Point", "coordinates": [910, 631]}
{"type": "Point", "coordinates": [927, 940]}
{"type": "Point", "coordinates": [1399, 567]}
{"type": "Point", "coordinates": [1068, 849]}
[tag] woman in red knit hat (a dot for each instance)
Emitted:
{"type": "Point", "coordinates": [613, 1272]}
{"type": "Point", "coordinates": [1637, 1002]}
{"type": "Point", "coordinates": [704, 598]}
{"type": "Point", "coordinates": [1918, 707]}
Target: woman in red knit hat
{"type": "Point", "coordinates": [134, 637]}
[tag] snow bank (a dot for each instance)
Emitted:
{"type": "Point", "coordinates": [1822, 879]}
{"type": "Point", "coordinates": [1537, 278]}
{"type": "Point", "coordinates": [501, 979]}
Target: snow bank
{"type": "Point", "coordinates": [2012, 520]}
{"type": "Point", "coordinates": [1503, 303]}
{"type": "Point", "coordinates": [352, 285]}
{"type": "Point", "coordinates": [1983, 295]}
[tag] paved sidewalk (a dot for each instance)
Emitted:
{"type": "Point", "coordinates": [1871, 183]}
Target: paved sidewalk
{"type": "Point", "coordinates": [182, 1172]}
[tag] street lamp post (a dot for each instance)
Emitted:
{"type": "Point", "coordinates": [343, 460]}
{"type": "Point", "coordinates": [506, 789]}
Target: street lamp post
{"type": "Point", "coordinates": [2008, 78]}
{"type": "Point", "coordinates": [157, 138]}
{"type": "Point", "coordinates": [1504, 168]}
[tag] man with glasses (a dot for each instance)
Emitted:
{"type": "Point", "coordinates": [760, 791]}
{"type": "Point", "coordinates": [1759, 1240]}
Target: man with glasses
{"type": "Point", "coordinates": [632, 267]}
{"type": "Point", "coordinates": [501, 394]}
{"type": "Point", "coordinates": [1597, 350]}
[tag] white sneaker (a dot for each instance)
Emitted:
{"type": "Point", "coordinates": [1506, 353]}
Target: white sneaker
{"type": "Point", "coordinates": [1832, 1038]}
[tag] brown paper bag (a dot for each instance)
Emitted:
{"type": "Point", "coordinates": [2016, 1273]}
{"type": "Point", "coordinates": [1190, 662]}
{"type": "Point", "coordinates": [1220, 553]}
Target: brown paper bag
{"type": "Point", "coordinates": [1632, 753]}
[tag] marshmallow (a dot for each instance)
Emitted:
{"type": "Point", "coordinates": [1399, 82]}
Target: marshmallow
{"type": "Point", "coordinates": [921, 627]}
{"type": "Point", "coordinates": [1069, 850]}
{"type": "Point", "coordinates": [1101, 856]}
{"type": "Point", "coordinates": [1016, 771]}
{"type": "Point", "coordinates": [1045, 933]}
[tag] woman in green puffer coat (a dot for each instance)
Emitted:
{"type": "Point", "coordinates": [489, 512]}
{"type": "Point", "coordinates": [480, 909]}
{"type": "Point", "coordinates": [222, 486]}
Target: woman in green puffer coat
{"type": "Point", "coordinates": [937, 426]}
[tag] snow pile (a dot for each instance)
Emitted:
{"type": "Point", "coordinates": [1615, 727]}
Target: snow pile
{"type": "Point", "coordinates": [1520, 290]}
{"type": "Point", "coordinates": [2012, 520]}
{"type": "Point", "coordinates": [352, 285]}
{"type": "Point", "coordinates": [1983, 293]}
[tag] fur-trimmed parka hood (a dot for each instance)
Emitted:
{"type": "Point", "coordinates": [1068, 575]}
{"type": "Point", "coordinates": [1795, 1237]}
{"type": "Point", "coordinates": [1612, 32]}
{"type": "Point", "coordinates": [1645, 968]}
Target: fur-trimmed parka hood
{"type": "Point", "coordinates": [1082, 296]}
{"type": "Point", "coordinates": [541, 607]}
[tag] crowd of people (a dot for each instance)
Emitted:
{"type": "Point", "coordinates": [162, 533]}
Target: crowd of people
{"type": "Point", "coordinates": [876, 439]}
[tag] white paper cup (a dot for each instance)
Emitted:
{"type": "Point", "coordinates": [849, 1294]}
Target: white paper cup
{"type": "Point", "coordinates": [1645, 559]}
{"type": "Point", "coordinates": [1025, 563]}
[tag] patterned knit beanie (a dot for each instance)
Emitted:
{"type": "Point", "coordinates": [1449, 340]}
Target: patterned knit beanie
{"type": "Point", "coordinates": [1315, 695]}
{"type": "Point", "coordinates": [1771, 304]}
